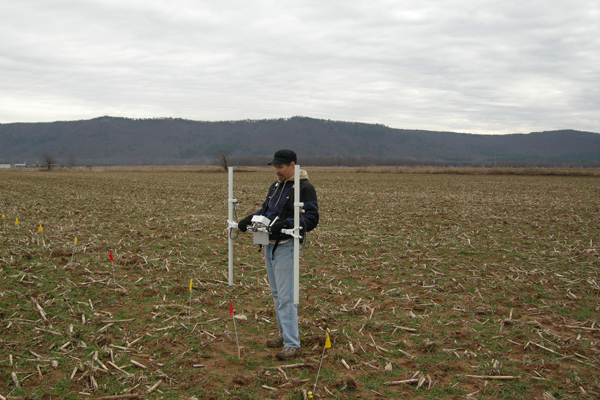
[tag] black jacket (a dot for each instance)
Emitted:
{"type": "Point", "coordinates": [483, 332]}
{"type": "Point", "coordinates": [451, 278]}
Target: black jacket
{"type": "Point", "coordinates": [279, 204]}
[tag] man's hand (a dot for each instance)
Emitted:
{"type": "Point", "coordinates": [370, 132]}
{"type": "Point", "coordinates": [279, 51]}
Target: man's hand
{"type": "Point", "coordinates": [278, 226]}
{"type": "Point", "coordinates": [243, 224]}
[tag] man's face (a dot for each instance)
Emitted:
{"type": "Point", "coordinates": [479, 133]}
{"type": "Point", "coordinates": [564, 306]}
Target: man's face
{"type": "Point", "coordinates": [284, 171]}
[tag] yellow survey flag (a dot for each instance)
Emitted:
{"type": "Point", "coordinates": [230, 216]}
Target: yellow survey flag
{"type": "Point", "coordinates": [16, 221]}
{"type": "Point", "coordinates": [75, 240]}
{"type": "Point", "coordinates": [191, 284]}
{"type": "Point", "coordinates": [40, 228]}
{"type": "Point", "coordinates": [327, 341]}
{"type": "Point", "coordinates": [3, 216]}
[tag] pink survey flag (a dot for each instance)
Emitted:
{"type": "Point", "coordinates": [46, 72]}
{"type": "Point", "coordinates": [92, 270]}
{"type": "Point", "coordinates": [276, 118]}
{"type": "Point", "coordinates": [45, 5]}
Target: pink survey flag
{"type": "Point", "coordinates": [110, 256]}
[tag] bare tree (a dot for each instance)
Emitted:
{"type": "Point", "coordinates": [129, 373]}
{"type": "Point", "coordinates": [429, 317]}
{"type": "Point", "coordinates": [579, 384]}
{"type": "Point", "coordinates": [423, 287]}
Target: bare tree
{"type": "Point", "coordinates": [48, 159]}
{"type": "Point", "coordinates": [222, 156]}
{"type": "Point", "coordinates": [71, 160]}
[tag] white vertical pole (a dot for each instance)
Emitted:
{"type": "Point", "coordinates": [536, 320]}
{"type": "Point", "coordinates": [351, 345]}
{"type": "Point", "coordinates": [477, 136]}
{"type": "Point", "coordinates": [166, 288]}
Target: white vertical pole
{"type": "Point", "coordinates": [297, 205]}
{"type": "Point", "coordinates": [230, 202]}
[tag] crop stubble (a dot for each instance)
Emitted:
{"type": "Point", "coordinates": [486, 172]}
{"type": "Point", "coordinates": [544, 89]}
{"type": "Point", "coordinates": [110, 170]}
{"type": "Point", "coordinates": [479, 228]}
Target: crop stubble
{"type": "Point", "coordinates": [430, 286]}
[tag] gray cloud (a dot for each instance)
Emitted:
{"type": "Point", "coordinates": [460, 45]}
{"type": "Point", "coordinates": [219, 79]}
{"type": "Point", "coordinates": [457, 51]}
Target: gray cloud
{"type": "Point", "coordinates": [467, 66]}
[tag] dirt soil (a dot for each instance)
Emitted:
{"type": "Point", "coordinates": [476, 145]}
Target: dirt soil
{"type": "Point", "coordinates": [429, 286]}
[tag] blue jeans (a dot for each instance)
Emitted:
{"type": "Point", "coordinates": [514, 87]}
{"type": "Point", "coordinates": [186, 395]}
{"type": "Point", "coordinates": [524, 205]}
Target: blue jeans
{"type": "Point", "coordinates": [280, 271]}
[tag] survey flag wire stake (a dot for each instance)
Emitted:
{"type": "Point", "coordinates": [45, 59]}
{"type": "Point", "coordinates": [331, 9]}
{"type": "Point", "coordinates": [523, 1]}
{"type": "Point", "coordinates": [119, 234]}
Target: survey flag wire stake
{"type": "Point", "coordinates": [327, 345]}
{"type": "Point", "coordinates": [190, 305]}
{"type": "Point", "coordinates": [73, 252]}
{"type": "Point", "coordinates": [234, 328]}
{"type": "Point", "coordinates": [41, 230]}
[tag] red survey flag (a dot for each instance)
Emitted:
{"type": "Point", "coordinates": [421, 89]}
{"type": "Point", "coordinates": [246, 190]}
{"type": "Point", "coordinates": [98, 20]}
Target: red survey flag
{"type": "Point", "coordinates": [230, 307]}
{"type": "Point", "coordinates": [110, 256]}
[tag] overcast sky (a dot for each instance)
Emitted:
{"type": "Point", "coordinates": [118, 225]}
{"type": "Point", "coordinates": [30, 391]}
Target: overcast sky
{"type": "Point", "coordinates": [476, 66]}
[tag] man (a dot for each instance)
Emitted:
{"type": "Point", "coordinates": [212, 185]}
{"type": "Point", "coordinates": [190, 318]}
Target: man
{"type": "Point", "coordinates": [278, 207]}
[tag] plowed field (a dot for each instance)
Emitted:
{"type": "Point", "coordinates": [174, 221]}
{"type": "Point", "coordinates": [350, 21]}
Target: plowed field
{"type": "Point", "coordinates": [430, 286]}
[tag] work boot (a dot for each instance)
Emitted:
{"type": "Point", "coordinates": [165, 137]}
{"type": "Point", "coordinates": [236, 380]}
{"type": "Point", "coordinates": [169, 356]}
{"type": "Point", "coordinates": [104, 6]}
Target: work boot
{"type": "Point", "coordinates": [275, 343]}
{"type": "Point", "coordinates": [287, 353]}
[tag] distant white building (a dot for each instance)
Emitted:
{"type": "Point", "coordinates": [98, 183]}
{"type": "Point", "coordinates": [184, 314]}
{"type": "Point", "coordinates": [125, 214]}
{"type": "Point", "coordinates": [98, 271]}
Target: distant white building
{"type": "Point", "coordinates": [4, 165]}
{"type": "Point", "coordinates": [20, 165]}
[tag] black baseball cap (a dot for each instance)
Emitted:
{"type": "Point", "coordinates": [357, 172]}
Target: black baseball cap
{"type": "Point", "coordinates": [283, 157]}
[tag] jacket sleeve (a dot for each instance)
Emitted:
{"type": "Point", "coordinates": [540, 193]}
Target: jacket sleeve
{"type": "Point", "coordinates": [309, 219]}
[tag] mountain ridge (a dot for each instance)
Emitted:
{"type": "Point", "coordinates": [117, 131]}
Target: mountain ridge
{"type": "Point", "coordinates": [158, 141]}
